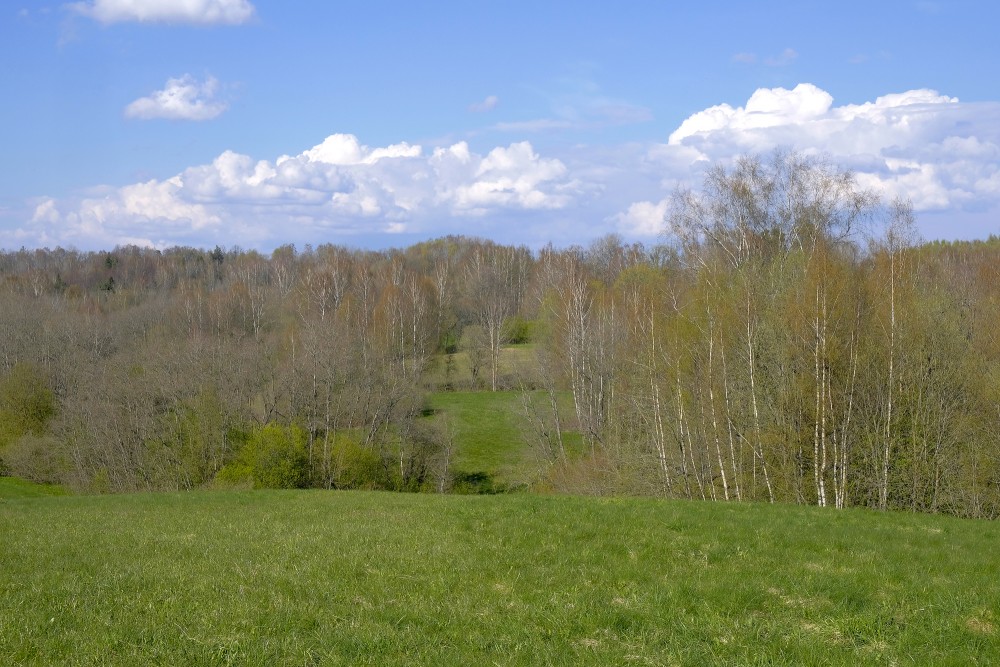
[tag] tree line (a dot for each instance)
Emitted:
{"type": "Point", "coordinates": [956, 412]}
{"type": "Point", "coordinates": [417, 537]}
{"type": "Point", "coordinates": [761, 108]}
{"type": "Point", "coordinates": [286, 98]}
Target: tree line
{"type": "Point", "coordinates": [790, 340]}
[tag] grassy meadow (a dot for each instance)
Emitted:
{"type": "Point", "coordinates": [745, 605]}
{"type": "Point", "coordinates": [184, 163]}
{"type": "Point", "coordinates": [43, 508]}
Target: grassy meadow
{"type": "Point", "coordinates": [487, 434]}
{"type": "Point", "coordinates": [12, 487]}
{"type": "Point", "coordinates": [350, 578]}
{"type": "Point", "coordinates": [347, 578]}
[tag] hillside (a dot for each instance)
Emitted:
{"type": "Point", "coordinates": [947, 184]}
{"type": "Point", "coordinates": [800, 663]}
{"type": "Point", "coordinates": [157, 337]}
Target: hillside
{"type": "Point", "coordinates": [788, 361]}
{"type": "Point", "coordinates": [315, 577]}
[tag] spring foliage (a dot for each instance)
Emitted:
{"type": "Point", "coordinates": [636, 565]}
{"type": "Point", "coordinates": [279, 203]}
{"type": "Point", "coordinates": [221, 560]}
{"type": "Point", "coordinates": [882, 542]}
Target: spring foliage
{"type": "Point", "coordinates": [790, 340]}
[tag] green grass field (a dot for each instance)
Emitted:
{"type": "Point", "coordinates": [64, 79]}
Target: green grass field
{"type": "Point", "coordinates": [12, 487]}
{"type": "Point", "coordinates": [487, 435]}
{"type": "Point", "coordinates": [487, 428]}
{"type": "Point", "coordinates": [346, 578]}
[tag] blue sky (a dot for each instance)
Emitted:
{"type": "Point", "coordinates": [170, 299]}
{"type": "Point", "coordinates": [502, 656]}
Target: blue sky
{"type": "Point", "coordinates": [258, 123]}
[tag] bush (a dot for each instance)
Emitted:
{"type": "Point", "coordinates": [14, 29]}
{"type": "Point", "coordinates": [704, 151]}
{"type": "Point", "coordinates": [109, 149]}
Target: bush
{"type": "Point", "coordinates": [517, 330]}
{"type": "Point", "coordinates": [273, 457]}
{"type": "Point", "coordinates": [475, 483]}
{"type": "Point", "coordinates": [26, 403]}
{"type": "Point", "coordinates": [34, 458]}
{"type": "Point", "coordinates": [354, 466]}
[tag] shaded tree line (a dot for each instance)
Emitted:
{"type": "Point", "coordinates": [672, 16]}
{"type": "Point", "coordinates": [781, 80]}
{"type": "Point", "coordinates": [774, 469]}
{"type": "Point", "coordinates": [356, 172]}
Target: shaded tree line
{"type": "Point", "coordinates": [791, 340]}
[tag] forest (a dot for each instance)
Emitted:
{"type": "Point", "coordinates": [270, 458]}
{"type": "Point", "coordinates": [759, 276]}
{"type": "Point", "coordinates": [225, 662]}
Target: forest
{"type": "Point", "coordinates": [791, 340]}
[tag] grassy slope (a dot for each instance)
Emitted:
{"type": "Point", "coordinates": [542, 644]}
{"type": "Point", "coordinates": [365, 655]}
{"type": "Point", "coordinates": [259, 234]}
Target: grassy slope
{"type": "Point", "coordinates": [333, 578]}
{"type": "Point", "coordinates": [488, 430]}
{"type": "Point", "coordinates": [487, 425]}
{"type": "Point", "coordinates": [12, 487]}
{"type": "Point", "coordinates": [487, 436]}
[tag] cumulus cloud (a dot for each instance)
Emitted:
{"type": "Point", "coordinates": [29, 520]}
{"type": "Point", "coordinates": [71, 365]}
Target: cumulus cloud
{"type": "Point", "coordinates": [922, 145]}
{"type": "Point", "coordinates": [183, 98]}
{"type": "Point", "coordinates": [941, 153]}
{"type": "Point", "coordinates": [339, 185]}
{"type": "Point", "coordinates": [46, 212]}
{"type": "Point", "coordinates": [642, 218]}
{"type": "Point", "coordinates": [766, 108]}
{"type": "Point", "coordinates": [344, 149]}
{"type": "Point", "coordinates": [510, 177]}
{"type": "Point", "coordinates": [146, 214]}
{"type": "Point", "coordinates": [806, 118]}
{"type": "Point", "coordinates": [487, 104]}
{"type": "Point", "coordinates": [199, 12]}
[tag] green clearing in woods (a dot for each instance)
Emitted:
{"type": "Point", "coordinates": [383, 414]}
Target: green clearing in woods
{"type": "Point", "coordinates": [12, 487]}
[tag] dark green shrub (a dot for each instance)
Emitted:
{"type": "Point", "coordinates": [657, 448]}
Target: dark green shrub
{"type": "Point", "coordinates": [273, 457]}
{"type": "Point", "coordinates": [475, 483]}
{"type": "Point", "coordinates": [26, 403]}
{"type": "Point", "coordinates": [355, 466]}
{"type": "Point", "coordinates": [518, 330]}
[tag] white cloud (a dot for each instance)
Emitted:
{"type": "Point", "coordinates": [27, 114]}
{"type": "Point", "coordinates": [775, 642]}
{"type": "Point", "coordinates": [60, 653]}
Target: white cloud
{"type": "Point", "coordinates": [643, 218]}
{"type": "Point", "coordinates": [487, 104]}
{"type": "Point", "coordinates": [919, 144]}
{"type": "Point", "coordinates": [167, 11]}
{"type": "Point", "coordinates": [511, 177]}
{"type": "Point", "coordinates": [135, 214]}
{"type": "Point", "coordinates": [344, 149]}
{"type": "Point", "coordinates": [183, 98]}
{"type": "Point", "coordinates": [338, 185]}
{"type": "Point", "coordinates": [46, 212]}
{"type": "Point", "coordinates": [806, 118]}
{"type": "Point", "coordinates": [941, 153]}
{"type": "Point", "coordinates": [766, 108]}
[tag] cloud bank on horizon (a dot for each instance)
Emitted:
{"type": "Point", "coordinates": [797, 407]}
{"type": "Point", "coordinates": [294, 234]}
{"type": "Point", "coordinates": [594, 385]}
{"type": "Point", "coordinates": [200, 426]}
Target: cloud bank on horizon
{"type": "Point", "coordinates": [918, 144]}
